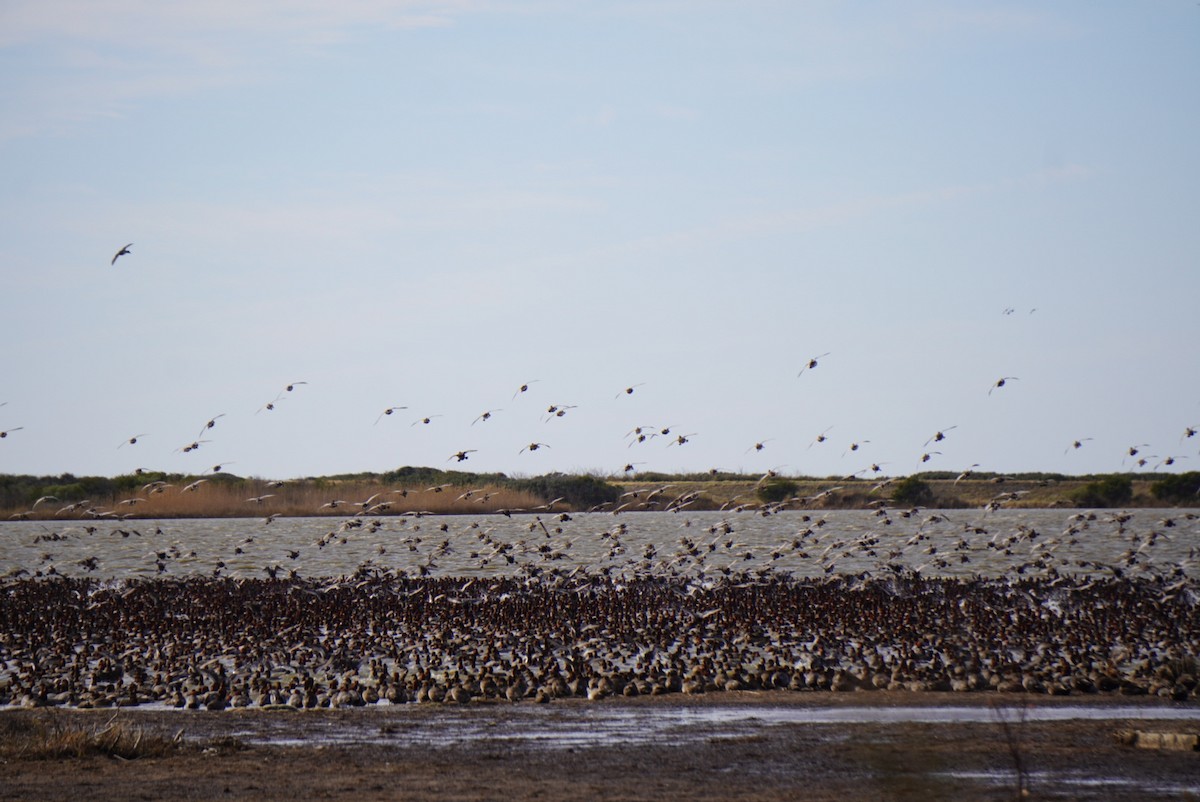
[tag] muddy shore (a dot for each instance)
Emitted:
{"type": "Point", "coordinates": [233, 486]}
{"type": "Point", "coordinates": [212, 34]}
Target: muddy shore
{"type": "Point", "coordinates": [745, 745]}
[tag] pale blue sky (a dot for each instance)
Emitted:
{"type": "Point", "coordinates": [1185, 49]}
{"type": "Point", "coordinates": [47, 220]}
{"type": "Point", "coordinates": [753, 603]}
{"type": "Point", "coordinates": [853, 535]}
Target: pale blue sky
{"type": "Point", "coordinates": [428, 204]}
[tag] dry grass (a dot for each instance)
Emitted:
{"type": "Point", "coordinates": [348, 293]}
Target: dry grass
{"type": "Point", "coordinates": [225, 497]}
{"type": "Point", "coordinates": [55, 736]}
{"type": "Point", "coordinates": [216, 498]}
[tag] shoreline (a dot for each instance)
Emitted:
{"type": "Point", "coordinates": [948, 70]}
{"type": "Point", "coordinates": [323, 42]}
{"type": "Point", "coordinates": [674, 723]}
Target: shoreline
{"type": "Point", "coordinates": [752, 759]}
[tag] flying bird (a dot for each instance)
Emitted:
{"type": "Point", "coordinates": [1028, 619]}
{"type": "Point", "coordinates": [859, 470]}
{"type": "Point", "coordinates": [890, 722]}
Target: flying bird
{"type": "Point", "coordinates": [524, 388]}
{"type": "Point", "coordinates": [132, 440]}
{"type": "Point", "coordinates": [211, 423]}
{"type": "Point", "coordinates": [812, 363]}
{"type": "Point", "coordinates": [6, 432]}
{"type": "Point", "coordinates": [124, 250]}
{"type": "Point", "coordinates": [270, 405]}
{"type": "Point", "coordinates": [387, 411]}
{"type": "Point", "coordinates": [1002, 381]}
{"type": "Point", "coordinates": [485, 415]}
{"type": "Point", "coordinates": [820, 438]}
{"type": "Point", "coordinates": [941, 435]}
{"type": "Point", "coordinates": [857, 444]}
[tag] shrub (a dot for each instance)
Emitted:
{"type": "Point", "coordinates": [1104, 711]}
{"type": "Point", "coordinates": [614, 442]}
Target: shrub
{"type": "Point", "coordinates": [1179, 489]}
{"type": "Point", "coordinates": [1111, 491]}
{"type": "Point", "coordinates": [579, 492]}
{"type": "Point", "coordinates": [775, 489]}
{"type": "Point", "coordinates": [911, 490]}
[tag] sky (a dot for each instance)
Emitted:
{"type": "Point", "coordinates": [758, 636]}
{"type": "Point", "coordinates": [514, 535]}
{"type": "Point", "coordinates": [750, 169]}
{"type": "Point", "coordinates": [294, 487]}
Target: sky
{"type": "Point", "coordinates": [430, 204]}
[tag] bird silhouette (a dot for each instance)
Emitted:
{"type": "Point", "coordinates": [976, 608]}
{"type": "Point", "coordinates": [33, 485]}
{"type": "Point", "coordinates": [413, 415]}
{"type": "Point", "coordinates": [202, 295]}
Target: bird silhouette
{"type": "Point", "coordinates": [211, 423]}
{"type": "Point", "coordinates": [812, 363]}
{"type": "Point", "coordinates": [524, 388]}
{"type": "Point", "coordinates": [387, 411]}
{"type": "Point", "coordinates": [483, 416]}
{"type": "Point", "coordinates": [124, 250]}
{"type": "Point", "coordinates": [940, 435]}
{"type": "Point", "coordinates": [1001, 382]}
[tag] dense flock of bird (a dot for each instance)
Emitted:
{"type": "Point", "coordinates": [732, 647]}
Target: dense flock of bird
{"type": "Point", "coordinates": [383, 638]}
{"type": "Point", "coordinates": [544, 605]}
{"type": "Point", "coordinates": [547, 602]}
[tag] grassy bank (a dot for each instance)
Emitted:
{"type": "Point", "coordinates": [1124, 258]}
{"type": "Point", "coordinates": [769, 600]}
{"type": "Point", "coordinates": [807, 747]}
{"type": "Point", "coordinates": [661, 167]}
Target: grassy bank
{"type": "Point", "coordinates": [432, 491]}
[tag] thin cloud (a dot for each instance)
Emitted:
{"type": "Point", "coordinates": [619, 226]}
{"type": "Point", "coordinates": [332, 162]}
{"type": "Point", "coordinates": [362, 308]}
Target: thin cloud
{"type": "Point", "coordinates": [86, 61]}
{"type": "Point", "coordinates": [840, 212]}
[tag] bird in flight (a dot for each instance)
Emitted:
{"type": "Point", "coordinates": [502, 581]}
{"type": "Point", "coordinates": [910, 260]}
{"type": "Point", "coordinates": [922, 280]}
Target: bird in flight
{"type": "Point", "coordinates": [524, 388]}
{"type": "Point", "coordinates": [1001, 382]}
{"type": "Point", "coordinates": [821, 438]}
{"type": "Point", "coordinates": [941, 435]}
{"type": "Point", "coordinates": [211, 423]}
{"type": "Point", "coordinates": [124, 250]}
{"type": "Point", "coordinates": [387, 411]}
{"type": "Point", "coordinates": [486, 415]}
{"type": "Point", "coordinates": [812, 363]}
{"type": "Point", "coordinates": [1076, 444]}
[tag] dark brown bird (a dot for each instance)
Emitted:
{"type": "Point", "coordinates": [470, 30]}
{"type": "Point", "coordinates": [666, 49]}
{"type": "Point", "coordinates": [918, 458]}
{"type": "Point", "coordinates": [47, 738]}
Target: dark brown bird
{"type": "Point", "coordinates": [1001, 382]}
{"type": "Point", "coordinates": [124, 250]}
{"type": "Point", "coordinates": [812, 363]}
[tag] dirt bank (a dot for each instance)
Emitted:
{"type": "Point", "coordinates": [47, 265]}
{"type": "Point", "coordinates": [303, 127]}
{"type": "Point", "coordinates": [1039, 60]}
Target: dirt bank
{"type": "Point", "coordinates": [223, 756]}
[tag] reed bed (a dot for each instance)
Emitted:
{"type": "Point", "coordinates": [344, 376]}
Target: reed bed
{"type": "Point", "coordinates": [217, 498]}
{"type": "Point", "coordinates": [58, 736]}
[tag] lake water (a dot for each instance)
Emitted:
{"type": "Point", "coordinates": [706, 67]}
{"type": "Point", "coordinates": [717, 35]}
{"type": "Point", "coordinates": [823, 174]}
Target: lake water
{"type": "Point", "coordinates": [937, 543]}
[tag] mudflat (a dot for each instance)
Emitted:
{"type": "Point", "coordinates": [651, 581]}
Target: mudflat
{"type": "Point", "coordinates": [735, 745]}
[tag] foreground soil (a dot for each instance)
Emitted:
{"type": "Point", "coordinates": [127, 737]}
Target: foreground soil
{"type": "Point", "coordinates": [218, 758]}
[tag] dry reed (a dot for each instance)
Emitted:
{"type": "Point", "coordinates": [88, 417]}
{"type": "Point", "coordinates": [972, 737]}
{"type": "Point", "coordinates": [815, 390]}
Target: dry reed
{"type": "Point", "coordinates": [218, 498]}
{"type": "Point", "coordinates": [54, 736]}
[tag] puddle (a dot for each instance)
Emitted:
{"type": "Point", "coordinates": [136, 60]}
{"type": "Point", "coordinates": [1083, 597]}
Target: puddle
{"type": "Point", "coordinates": [1042, 781]}
{"type": "Point", "coordinates": [582, 728]}
{"type": "Point", "coordinates": [948, 715]}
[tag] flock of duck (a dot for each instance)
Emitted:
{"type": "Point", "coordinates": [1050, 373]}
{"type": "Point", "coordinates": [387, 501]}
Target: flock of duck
{"type": "Point", "coordinates": [546, 632]}
{"type": "Point", "coordinates": [713, 615]}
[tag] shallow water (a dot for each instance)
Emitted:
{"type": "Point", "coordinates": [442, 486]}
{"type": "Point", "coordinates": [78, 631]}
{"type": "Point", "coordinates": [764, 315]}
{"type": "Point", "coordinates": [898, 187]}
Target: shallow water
{"type": "Point", "coordinates": [1075, 783]}
{"type": "Point", "coordinates": [936, 543]}
{"type": "Point", "coordinates": [597, 726]}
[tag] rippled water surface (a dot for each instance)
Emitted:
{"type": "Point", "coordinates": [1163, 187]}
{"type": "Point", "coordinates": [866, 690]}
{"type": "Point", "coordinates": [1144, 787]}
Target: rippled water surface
{"type": "Point", "coordinates": [561, 727]}
{"type": "Point", "coordinates": [943, 543]}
